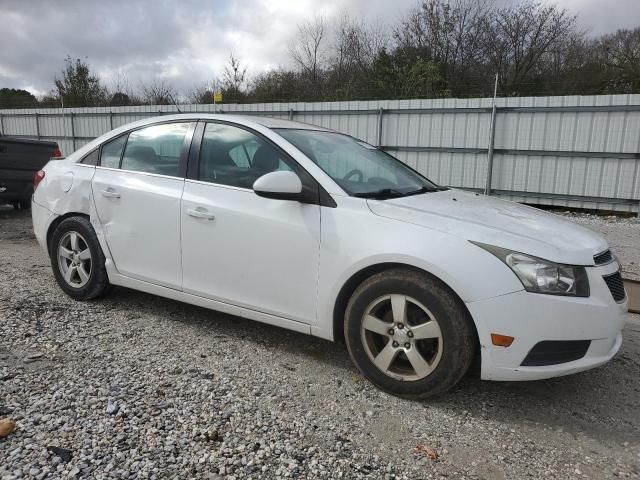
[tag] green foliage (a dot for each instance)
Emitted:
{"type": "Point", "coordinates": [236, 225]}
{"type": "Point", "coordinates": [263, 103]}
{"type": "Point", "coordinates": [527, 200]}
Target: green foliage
{"type": "Point", "coordinates": [276, 85]}
{"type": "Point", "coordinates": [16, 98]}
{"type": "Point", "coordinates": [619, 56]}
{"type": "Point", "coordinates": [78, 87]}
{"type": "Point", "coordinates": [402, 75]}
{"type": "Point", "coordinates": [119, 99]}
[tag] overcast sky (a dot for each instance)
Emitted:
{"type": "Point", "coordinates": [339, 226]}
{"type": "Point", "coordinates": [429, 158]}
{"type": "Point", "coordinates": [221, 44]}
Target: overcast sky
{"type": "Point", "coordinates": [187, 42]}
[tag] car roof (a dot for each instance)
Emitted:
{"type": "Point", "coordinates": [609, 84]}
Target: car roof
{"type": "Point", "coordinates": [265, 121]}
{"type": "Point", "coordinates": [271, 122]}
{"type": "Point", "coordinates": [247, 120]}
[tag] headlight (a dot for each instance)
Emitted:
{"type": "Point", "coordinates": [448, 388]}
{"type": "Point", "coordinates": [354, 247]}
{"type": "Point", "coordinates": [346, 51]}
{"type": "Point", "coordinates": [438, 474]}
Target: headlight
{"type": "Point", "coordinates": [542, 276]}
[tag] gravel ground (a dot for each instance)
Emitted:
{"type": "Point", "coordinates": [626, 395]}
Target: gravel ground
{"type": "Point", "coordinates": [136, 386]}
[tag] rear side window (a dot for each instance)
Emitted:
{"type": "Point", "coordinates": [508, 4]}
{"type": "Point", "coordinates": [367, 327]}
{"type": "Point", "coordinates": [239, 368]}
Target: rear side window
{"type": "Point", "coordinates": [92, 158]}
{"type": "Point", "coordinates": [111, 152]}
{"type": "Point", "coordinates": [155, 149]}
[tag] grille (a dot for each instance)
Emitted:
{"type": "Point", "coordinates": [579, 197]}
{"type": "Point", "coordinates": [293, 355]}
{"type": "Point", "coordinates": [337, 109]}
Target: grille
{"type": "Point", "coordinates": [603, 258]}
{"type": "Point", "coordinates": [616, 286]}
{"type": "Point", "coordinates": [553, 352]}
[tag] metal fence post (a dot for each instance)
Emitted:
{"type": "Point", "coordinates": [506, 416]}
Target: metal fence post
{"type": "Point", "coordinates": [290, 114]}
{"type": "Point", "coordinates": [73, 132]}
{"type": "Point", "coordinates": [379, 133]}
{"type": "Point", "coordinates": [110, 120]}
{"type": "Point", "coordinates": [1, 124]}
{"type": "Point", "coordinates": [38, 125]}
{"type": "Point", "coordinates": [492, 136]}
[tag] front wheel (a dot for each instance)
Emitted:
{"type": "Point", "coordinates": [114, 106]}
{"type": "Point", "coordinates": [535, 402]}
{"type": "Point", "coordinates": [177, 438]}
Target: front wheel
{"type": "Point", "coordinates": [77, 259]}
{"type": "Point", "coordinates": [409, 334]}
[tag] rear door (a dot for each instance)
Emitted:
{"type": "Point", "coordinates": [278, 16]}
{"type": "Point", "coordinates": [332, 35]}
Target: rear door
{"type": "Point", "coordinates": [240, 248]}
{"type": "Point", "coordinates": [137, 188]}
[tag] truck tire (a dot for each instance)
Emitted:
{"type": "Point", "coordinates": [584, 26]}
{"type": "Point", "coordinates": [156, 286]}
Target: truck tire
{"type": "Point", "coordinates": [409, 334]}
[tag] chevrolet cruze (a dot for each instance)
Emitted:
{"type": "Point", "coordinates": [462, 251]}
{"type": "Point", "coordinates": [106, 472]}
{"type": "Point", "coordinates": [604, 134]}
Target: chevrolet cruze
{"type": "Point", "coordinates": [318, 232]}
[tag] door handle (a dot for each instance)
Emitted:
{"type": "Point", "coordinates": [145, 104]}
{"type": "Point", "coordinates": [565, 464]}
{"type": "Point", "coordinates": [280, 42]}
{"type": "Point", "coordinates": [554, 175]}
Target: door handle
{"type": "Point", "coordinates": [200, 213]}
{"type": "Point", "coordinates": [110, 193]}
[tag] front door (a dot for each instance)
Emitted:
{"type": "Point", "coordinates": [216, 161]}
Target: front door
{"type": "Point", "coordinates": [240, 248]}
{"type": "Point", "coordinates": [137, 190]}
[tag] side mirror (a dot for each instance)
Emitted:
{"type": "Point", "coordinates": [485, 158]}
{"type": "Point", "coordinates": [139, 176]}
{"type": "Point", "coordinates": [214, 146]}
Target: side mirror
{"type": "Point", "coordinates": [281, 185]}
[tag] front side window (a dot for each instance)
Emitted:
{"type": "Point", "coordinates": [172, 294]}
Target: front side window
{"type": "Point", "coordinates": [111, 152]}
{"type": "Point", "coordinates": [234, 156]}
{"type": "Point", "coordinates": [359, 168]}
{"type": "Point", "coordinates": [155, 149]}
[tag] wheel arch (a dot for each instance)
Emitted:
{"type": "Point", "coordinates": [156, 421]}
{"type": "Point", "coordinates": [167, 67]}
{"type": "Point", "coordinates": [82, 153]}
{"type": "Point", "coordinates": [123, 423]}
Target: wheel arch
{"type": "Point", "coordinates": [360, 276]}
{"type": "Point", "coordinates": [57, 221]}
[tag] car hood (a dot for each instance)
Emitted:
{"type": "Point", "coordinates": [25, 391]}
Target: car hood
{"type": "Point", "coordinates": [496, 222]}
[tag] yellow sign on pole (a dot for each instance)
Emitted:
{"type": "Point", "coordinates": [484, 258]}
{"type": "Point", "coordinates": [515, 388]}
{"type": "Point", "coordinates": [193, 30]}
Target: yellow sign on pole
{"type": "Point", "coordinates": [217, 97]}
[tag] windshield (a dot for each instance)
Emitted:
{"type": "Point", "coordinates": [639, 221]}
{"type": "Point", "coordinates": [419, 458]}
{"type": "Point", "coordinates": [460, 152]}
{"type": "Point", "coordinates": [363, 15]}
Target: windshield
{"type": "Point", "coordinates": [359, 168]}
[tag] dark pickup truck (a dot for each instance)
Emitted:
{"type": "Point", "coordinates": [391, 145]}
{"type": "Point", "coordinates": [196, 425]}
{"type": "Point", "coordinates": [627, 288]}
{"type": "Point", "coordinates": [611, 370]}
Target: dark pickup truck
{"type": "Point", "coordinates": [20, 159]}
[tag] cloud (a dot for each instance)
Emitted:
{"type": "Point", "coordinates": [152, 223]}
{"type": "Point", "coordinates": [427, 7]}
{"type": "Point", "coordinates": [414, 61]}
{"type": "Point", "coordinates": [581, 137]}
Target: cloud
{"type": "Point", "coordinates": [598, 17]}
{"type": "Point", "coordinates": [187, 43]}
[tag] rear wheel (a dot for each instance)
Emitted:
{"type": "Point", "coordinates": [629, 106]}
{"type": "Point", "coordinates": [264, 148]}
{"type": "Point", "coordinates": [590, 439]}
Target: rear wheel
{"type": "Point", "coordinates": [409, 334]}
{"type": "Point", "coordinates": [77, 259]}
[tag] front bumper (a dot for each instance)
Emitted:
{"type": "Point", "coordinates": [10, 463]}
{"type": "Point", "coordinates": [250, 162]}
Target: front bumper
{"type": "Point", "coordinates": [531, 318]}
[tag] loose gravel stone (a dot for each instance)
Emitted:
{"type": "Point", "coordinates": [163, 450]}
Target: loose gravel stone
{"type": "Point", "coordinates": [204, 395]}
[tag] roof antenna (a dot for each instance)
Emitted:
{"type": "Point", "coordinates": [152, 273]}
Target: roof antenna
{"type": "Point", "coordinates": [174, 102]}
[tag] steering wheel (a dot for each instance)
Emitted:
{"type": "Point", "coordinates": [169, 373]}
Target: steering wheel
{"type": "Point", "coordinates": [353, 172]}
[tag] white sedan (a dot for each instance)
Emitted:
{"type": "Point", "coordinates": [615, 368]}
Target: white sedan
{"type": "Point", "coordinates": [318, 232]}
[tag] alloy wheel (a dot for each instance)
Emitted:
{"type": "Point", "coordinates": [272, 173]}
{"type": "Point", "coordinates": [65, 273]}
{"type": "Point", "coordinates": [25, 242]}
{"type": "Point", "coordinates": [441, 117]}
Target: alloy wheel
{"type": "Point", "coordinates": [401, 337]}
{"type": "Point", "coordinates": [74, 259]}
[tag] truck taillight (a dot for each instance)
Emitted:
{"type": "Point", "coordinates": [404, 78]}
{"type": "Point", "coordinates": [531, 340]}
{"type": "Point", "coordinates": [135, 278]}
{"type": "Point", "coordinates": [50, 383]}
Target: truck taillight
{"type": "Point", "coordinates": [57, 153]}
{"type": "Point", "coordinates": [37, 178]}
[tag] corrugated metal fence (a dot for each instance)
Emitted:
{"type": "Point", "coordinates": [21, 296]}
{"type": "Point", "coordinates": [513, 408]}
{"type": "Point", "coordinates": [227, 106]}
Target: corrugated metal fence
{"type": "Point", "coordinates": [574, 151]}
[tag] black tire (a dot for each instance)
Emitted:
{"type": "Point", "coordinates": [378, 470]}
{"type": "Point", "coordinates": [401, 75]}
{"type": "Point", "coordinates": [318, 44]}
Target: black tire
{"type": "Point", "coordinates": [97, 284]}
{"type": "Point", "coordinates": [22, 204]}
{"type": "Point", "coordinates": [458, 339]}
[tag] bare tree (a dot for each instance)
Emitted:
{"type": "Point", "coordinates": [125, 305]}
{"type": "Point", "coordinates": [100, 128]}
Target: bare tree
{"type": "Point", "coordinates": [452, 34]}
{"type": "Point", "coordinates": [234, 77]}
{"type": "Point", "coordinates": [158, 92]}
{"type": "Point", "coordinates": [357, 43]}
{"type": "Point", "coordinates": [520, 37]}
{"type": "Point", "coordinates": [619, 53]}
{"type": "Point", "coordinates": [307, 49]}
{"type": "Point", "coordinates": [121, 91]}
{"type": "Point", "coordinates": [202, 93]}
{"type": "Point", "coordinates": [449, 32]}
{"type": "Point", "coordinates": [355, 48]}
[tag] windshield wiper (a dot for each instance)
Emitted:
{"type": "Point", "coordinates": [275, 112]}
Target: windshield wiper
{"type": "Point", "coordinates": [382, 193]}
{"type": "Point", "coordinates": [393, 193]}
{"type": "Point", "coordinates": [425, 190]}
